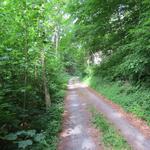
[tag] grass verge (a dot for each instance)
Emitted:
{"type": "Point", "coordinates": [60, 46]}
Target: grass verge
{"type": "Point", "coordinates": [110, 137]}
{"type": "Point", "coordinates": [132, 98]}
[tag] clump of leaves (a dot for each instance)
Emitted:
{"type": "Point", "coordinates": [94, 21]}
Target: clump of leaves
{"type": "Point", "coordinates": [24, 138]}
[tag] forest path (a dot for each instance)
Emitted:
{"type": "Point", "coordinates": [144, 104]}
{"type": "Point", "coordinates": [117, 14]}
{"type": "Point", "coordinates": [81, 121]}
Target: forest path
{"type": "Point", "coordinates": [78, 134]}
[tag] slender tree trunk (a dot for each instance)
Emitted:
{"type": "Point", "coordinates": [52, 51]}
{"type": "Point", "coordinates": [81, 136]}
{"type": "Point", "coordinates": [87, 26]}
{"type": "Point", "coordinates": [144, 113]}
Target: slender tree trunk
{"type": "Point", "coordinates": [45, 86]}
{"type": "Point", "coordinates": [46, 91]}
{"type": "Point", "coordinates": [26, 60]}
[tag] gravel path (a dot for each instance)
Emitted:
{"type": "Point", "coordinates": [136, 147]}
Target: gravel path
{"type": "Point", "coordinates": [77, 134]}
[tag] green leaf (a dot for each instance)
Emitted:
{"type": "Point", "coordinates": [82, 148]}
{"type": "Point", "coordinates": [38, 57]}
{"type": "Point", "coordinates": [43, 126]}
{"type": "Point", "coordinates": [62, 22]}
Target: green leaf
{"type": "Point", "coordinates": [30, 133]}
{"type": "Point", "coordinates": [23, 144]}
{"type": "Point", "coordinates": [11, 137]}
{"type": "Point", "coordinates": [39, 137]}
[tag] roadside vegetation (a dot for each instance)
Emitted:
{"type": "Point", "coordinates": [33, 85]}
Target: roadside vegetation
{"type": "Point", "coordinates": [32, 76]}
{"type": "Point", "coordinates": [132, 98]}
{"type": "Point", "coordinates": [110, 137]}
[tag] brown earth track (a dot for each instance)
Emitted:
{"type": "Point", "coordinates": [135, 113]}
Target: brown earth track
{"type": "Point", "coordinates": [78, 134]}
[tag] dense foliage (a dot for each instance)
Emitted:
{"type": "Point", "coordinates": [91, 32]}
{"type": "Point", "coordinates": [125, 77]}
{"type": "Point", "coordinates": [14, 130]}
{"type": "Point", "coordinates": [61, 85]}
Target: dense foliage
{"type": "Point", "coordinates": [30, 71]}
{"type": "Point", "coordinates": [120, 30]}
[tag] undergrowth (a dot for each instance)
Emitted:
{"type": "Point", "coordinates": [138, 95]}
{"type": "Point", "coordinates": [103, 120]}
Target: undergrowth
{"type": "Point", "coordinates": [110, 137]}
{"type": "Point", "coordinates": [53, 121]}
{"type": "Point", "coordinates": [132, 98]}
{"type": "Point", "coordinates": [42, 133]}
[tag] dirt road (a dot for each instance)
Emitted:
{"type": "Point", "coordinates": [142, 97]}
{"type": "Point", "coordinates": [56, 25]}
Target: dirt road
{"type": "Point", "coordinates": [78, 134]}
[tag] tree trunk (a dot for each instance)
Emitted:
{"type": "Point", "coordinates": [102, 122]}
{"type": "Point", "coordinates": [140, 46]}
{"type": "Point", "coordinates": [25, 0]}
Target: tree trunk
{"type": "Point", "coordinates": [46, 91]}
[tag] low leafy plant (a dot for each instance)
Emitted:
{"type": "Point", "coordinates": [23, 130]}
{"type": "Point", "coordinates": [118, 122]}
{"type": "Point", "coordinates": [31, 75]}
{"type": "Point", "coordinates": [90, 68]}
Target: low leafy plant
{"type": "Point", "coordinates": [24, 138]}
